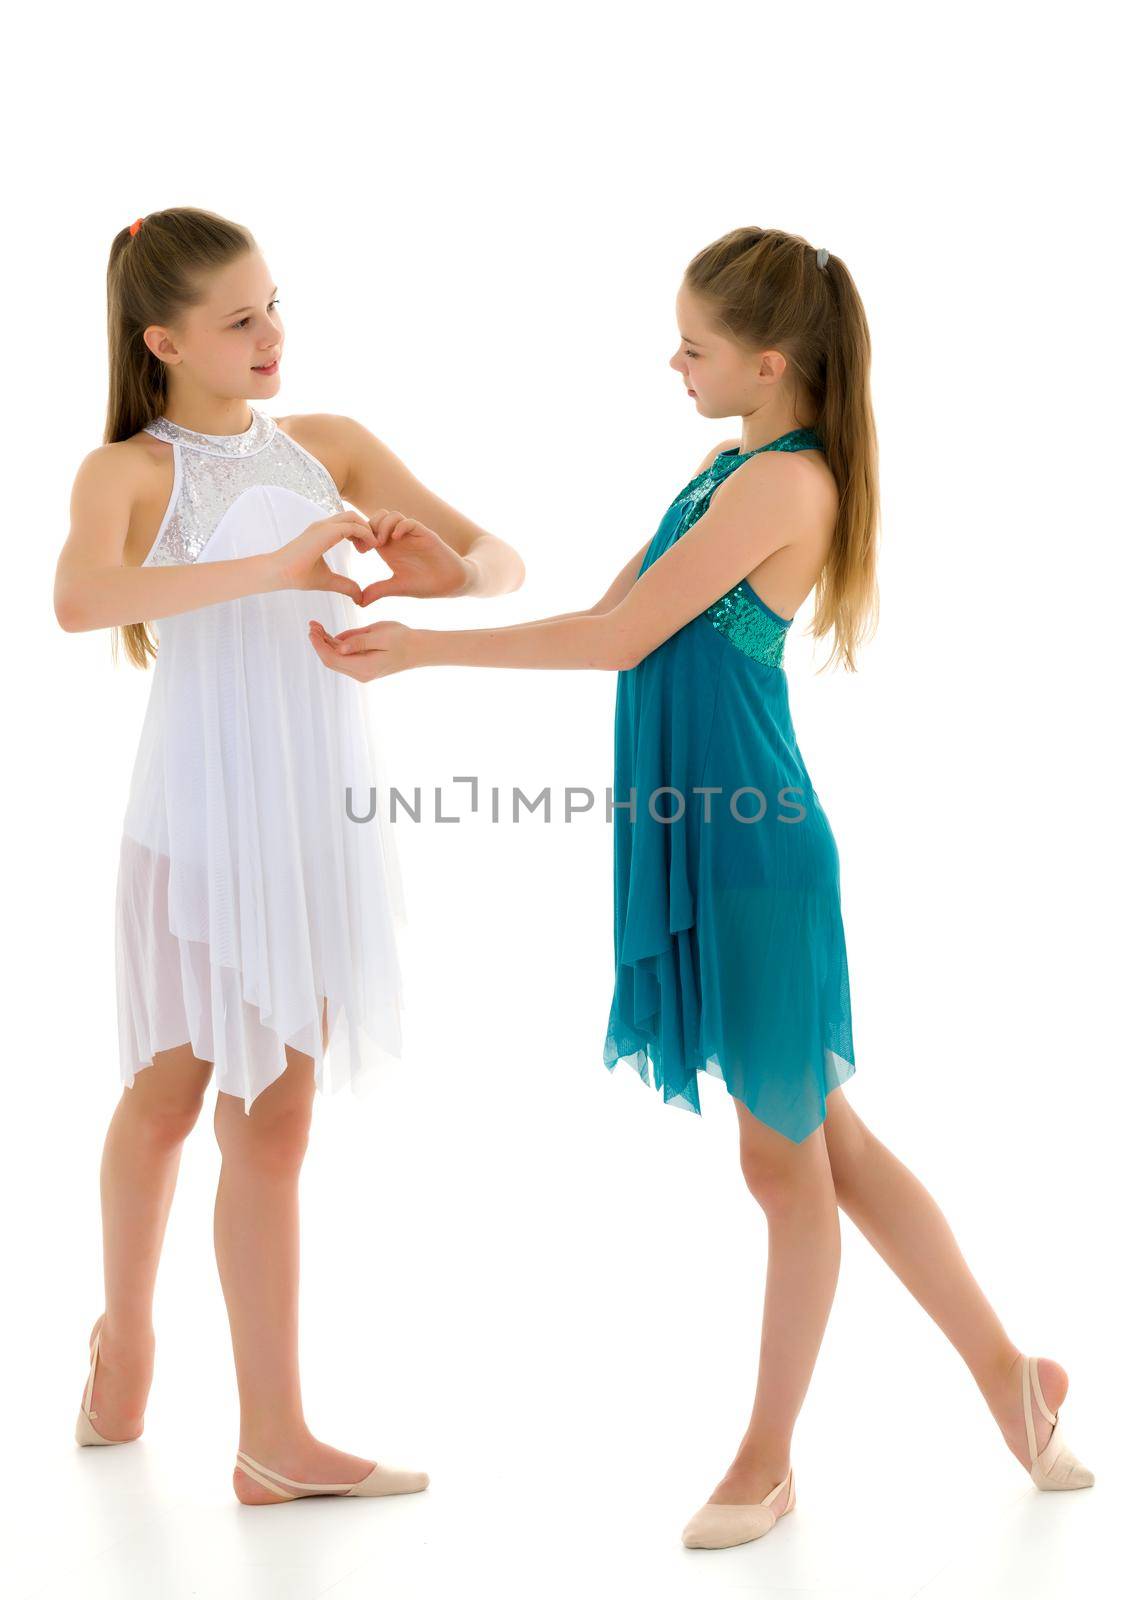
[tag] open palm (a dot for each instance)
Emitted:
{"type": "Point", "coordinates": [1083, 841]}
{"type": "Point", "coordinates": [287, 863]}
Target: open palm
{"type": "Point", "coordinates": [423, 564]}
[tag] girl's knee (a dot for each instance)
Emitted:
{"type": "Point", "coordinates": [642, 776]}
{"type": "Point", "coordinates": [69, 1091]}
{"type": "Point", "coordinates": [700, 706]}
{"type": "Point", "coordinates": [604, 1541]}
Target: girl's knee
{"type": "Point", "coordinates": [273, 1136]}
{"type": "Point", "coordinates": [781, 1175]}
{"type": "Point", "coordinates": [774, 1188]}
{"type": "Point", "coordinates": [166, 1097]}
{"type": "Point", "coordinates": [168, 1122]}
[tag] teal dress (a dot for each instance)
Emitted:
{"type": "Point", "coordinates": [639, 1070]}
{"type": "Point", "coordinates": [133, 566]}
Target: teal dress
{"type": "Point", "coordinates": [729, 946]}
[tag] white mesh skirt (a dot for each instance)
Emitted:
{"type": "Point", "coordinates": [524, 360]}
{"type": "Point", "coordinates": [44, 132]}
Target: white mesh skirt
{"type": "Point", "coordinates": [250, 901]}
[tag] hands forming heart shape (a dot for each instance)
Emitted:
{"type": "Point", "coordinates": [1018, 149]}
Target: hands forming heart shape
{"type": "Point", "coordinates": [423, 565]}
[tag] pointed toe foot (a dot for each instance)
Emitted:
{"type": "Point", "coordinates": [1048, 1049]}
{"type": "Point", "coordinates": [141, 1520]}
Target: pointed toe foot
{"type": "Point", "coordinates": [1065, 1475]}
{"type": "Point", "coordinates": [1057, 1467]}
{"type": "Point", "coordinates": [391, 1480]}
{"type": "Point", "coordinates": [717, 1527]}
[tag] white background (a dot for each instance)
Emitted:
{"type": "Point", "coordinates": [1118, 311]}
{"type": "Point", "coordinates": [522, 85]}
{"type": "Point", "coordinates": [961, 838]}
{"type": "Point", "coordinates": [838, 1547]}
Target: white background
{"type": "Point", "coordinates": [520, 1271]}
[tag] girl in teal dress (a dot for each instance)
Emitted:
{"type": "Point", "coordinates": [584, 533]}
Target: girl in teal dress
{"type": "Point", "coordinates": [730, 954]}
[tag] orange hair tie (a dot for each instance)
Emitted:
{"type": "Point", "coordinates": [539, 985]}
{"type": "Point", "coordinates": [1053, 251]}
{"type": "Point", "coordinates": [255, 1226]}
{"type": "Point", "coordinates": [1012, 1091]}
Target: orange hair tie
{"type": "Point", "coordinates": [135, 226]}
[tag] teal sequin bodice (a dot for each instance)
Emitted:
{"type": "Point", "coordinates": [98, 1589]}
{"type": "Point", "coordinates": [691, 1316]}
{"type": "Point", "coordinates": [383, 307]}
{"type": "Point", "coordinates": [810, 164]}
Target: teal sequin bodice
{"type": "Point", "coordinates": [748, 622]}
{"type": "Point", "coordinates": [741, 615]}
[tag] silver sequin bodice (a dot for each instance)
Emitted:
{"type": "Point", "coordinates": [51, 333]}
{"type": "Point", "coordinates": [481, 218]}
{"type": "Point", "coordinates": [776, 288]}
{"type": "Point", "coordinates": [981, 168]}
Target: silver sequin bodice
{"type": "Point", "coordinates": [213, 470]}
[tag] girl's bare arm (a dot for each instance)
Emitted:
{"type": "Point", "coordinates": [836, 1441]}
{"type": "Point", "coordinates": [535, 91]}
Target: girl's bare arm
{"type": "Point", "coordinates": [607, 602]}
{"type": "Point", "coordinates": [94, 589]}
{"type": "Point", "coordinates": [374, 478]}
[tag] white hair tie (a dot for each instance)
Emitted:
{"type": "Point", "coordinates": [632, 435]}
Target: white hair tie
{"type": "Point", "coordinates": [823, 257]}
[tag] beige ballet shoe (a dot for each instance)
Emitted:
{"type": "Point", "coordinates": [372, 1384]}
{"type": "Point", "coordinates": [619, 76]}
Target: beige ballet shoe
{"type": "Point", "coordinates": [382, 1480]}
{"type": "Point", "coordinates": [1055, 1467]}
{"type": "Point", "coordinates": [85, 1432]}
{"type": "Point", "coordinates": [714, 1527]}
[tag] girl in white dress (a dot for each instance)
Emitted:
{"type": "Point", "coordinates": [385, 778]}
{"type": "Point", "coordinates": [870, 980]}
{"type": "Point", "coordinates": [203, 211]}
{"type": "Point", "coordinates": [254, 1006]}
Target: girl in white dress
{"type": "Point", "coordinates": [255, 914]}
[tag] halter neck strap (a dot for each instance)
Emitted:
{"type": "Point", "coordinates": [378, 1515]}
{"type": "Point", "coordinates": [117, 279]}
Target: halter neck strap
{"type": "Point", "coordinates": [259, 433]}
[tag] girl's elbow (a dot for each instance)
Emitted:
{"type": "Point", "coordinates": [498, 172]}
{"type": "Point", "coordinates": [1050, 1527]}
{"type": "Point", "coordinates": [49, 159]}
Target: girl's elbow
{"type": "Point", "coordinates": [73, 612]}
{"type": "Point", "coordinates": [624, 658]}
{"type": "Point", "coordinates": [621, 649]}
{"type": "Point", "coordinates": [69, 612]}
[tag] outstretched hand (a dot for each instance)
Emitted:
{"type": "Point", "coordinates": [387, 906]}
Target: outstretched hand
{"type": "Point", "coordinates": [365, 653]}
{"type": "Point", "coordinates": [423, 564]}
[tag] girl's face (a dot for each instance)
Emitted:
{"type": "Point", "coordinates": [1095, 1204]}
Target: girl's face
{"type": "Point", "coordinates": [221, 345]}
{"type": "Point", "coordinates": [721, 378]}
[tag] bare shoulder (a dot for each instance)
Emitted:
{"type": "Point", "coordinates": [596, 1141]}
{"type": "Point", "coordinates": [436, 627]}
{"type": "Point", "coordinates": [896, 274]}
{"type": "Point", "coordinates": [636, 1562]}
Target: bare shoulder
{"type": "Point", "coordinates": [121, 469]}
{"type": "Point", "coordinates": [793, 493]}
{"type": "Point", "coordinates": [115, 487]}
{"type": "Point", "coordinates": [128, 477]}
{"type": "Point", "coordinates": [366, 470]}
{"type": "Point", "coordinates": [796, 483]}
{"type": "Point", "coordinates": [328, 436]}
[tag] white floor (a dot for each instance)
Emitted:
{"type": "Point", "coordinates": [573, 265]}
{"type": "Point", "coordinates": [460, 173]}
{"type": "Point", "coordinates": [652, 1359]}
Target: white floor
{"type": "Point", "coordinates": [568, 1346]}
{"type": "Point", "coordinates": [562, 1514]}
{"type": "Point", "coordinates": [158, 1524]}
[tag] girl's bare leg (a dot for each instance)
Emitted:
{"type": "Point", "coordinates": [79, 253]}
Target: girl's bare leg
{"type": "Point", "coordinates": [794, 1186]}
{"type": "Point", "coordinates": [903, 1223]}
{"type": "Point", "coordinates": [256, 1237]}
{"type": "Point", "coordinates": [140, 1164]}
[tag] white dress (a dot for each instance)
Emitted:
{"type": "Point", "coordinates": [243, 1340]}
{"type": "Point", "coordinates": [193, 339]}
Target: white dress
{"type": "Point", "coordinates": [248, 894]}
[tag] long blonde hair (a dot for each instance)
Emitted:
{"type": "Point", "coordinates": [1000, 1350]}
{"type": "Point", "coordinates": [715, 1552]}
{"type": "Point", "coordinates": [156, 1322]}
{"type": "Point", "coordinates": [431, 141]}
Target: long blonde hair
{"type": "Point", "coordinates": [156, 271]}
{"type": "Point", "coordinates": [765, 289]}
